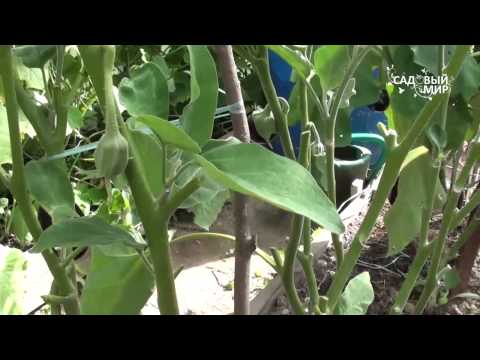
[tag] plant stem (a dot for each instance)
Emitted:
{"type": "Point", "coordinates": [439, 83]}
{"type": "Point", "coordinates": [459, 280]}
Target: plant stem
{"type": "Point", "coordinates": [330, 142]}
{"type": "Point", "coordinates": [389, 176]}
{"type": "Point", "coordinates": [306, 258]}
{"type": "Point", "coordinates": [431, 282]}
{"type": "Point", "coordinates": [467, 209]}
{"type": "Point", "coordinates": [155, 223]}
{"type": "Point", "coordinates": [447, 221]}
{"type": "Point", "coordinates": [18, 182]}
{"type": "Point", "coordinates": [34, 115]}
{"type": "Point", "coordinates": [288, 276]}
{"type": "Point", "coordinates": [281, 123]}
{"type": "Point", "coordinates": [288, 270]}
{"type": "Point", "coordinates": [435, 173]}
{"type": "Point", "coordinates": [409, 283]}
{"type": "Point", "coordinates": [471, 228]}
{"type": "Point", "coordinates": [72, 256]}
{"type": "Point", "coordinates": [244, 246]}
{"type": "Point", "coordinates": [207, 235]}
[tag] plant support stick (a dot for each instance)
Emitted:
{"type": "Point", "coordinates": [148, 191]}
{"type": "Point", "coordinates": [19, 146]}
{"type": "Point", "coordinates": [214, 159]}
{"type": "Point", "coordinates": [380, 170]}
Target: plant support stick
{"type": "Point", "coordinates": [244, 245]}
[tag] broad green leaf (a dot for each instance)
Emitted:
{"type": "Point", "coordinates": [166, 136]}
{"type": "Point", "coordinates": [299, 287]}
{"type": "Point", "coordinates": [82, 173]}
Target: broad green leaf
{"type": "Point", "coordinates": [475, 113]}
{"type": "Point", "coordinates": [145, 92]}
{"type": "Point", "coordinates": [252, 170]}
{"type": "Point", "coordinates": [403, 220]}
{"type": "Point", "coordinates": [12, 281]}
{"type": "Point", "coordinates": [366, 85]}
{"type": "Point", "coordinates": [357, 296]}
{"type": "Point", "coordinates": [197, 118]}
{"type": "Point", "coordinates": [331, 63]}
{"type": "Point", "coordinates": [75, 118]}
{"type": "Point", "coordinates": [207, 213]}
{"type": "Point", "coordinates": [405, 107]}
{"type": "Point", "coordinates": [35, 56]}
{"type": "Point", "coordinates": [25, 129]}
{"type": "Point", "coordinates": [412, 155]}
{"type": "Point", "coordinates": [451, 278]}
{"type": "Point", "coordinates": [49, 184]}
{"type": "Point", "coordinates": [427, 56]}
{"type": "Point", "coordinates": [169, 133]}
{"type": "Point", "coordinates": [116, 285]}
{"type": "Point", "coordinates": [85, 231]}
{"type": "Point", "coordinates": [294, 58]}
{"type": "Point", "coordinates": [31, 77]}
{"type": "Point", "coordinates": [215, 143]}
{"type": "Point", "coordinates": [205, 203]}
{"type": "Point", "coordinates": [150, 152]}
{"type": "Point", "coordinates": [460, 121]}
{"type": "Point", "coordinates": [264, 122]}
{"type": "Point", "coordinates": [467, 83]}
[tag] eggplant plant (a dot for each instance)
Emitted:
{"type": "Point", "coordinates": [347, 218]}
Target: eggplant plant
{"type": "Point", "coordinates": [154, 152]}
{"type": "Point", "coordinates": [162, 164]}
{"type": "Point", "coordinates": [424, 133]}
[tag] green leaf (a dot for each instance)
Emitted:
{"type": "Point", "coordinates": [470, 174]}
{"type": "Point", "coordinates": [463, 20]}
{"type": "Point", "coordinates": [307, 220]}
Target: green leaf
{"type": "Point", "coordinates": [264, 122]}
{"type": "Point", "coordinates": [75, 118]}
{"type": "Point", "coordinates": [32, 77]}
{"type": "Point", "coordinates": [366, 85]}
{"type": "Point", "coordinates": [357, 296]}
{"type": "Point", "coordinates": [205, 203]}
{"type": "Point", "coordinates": [207, 213]}
{"type": "Point", "coordinates": [252, 170]}
{"type": "Point", "coordinates": [412, 155]}
{"type": "Point", "coordinates": [198, 116]}
{"type": "Point", "coordinates": [475, 113]}
{"type": "Point", "coordinates": [467, 82]}
{"type": "Point", "coordinates": [116, 285]}
{"type": "Point", "coordinates": [403, 220]}
{"type": "Point", "coordinates": [294, 58]}
{"type": "Point", "coordinates": [451, 278]}
{"type": "Point", "coordinates": [25, 128]}
{"type": "Point", "coordinates": [12, 281]}
{"type": "Point", "coordinates": [404, 106]}
{"type": "Point", "coordinates": [146, 92]}
{"type": "Point", "coordinates": [150, 152]}
{"type": "Point", "coordinates": [459, 122]}
{"type": "Point", "coordinates": [169, 133]}
{"type": "Point", "coordinates": [331, 63]}
{"type": "Point", "coordinates": [85, 231]}
{"type": "Point", "coordinates": [35, 56]}
{"type": "Point", "coordinates": [49, 184]}
{"type": "Point", "coordinates": [427, 56]}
